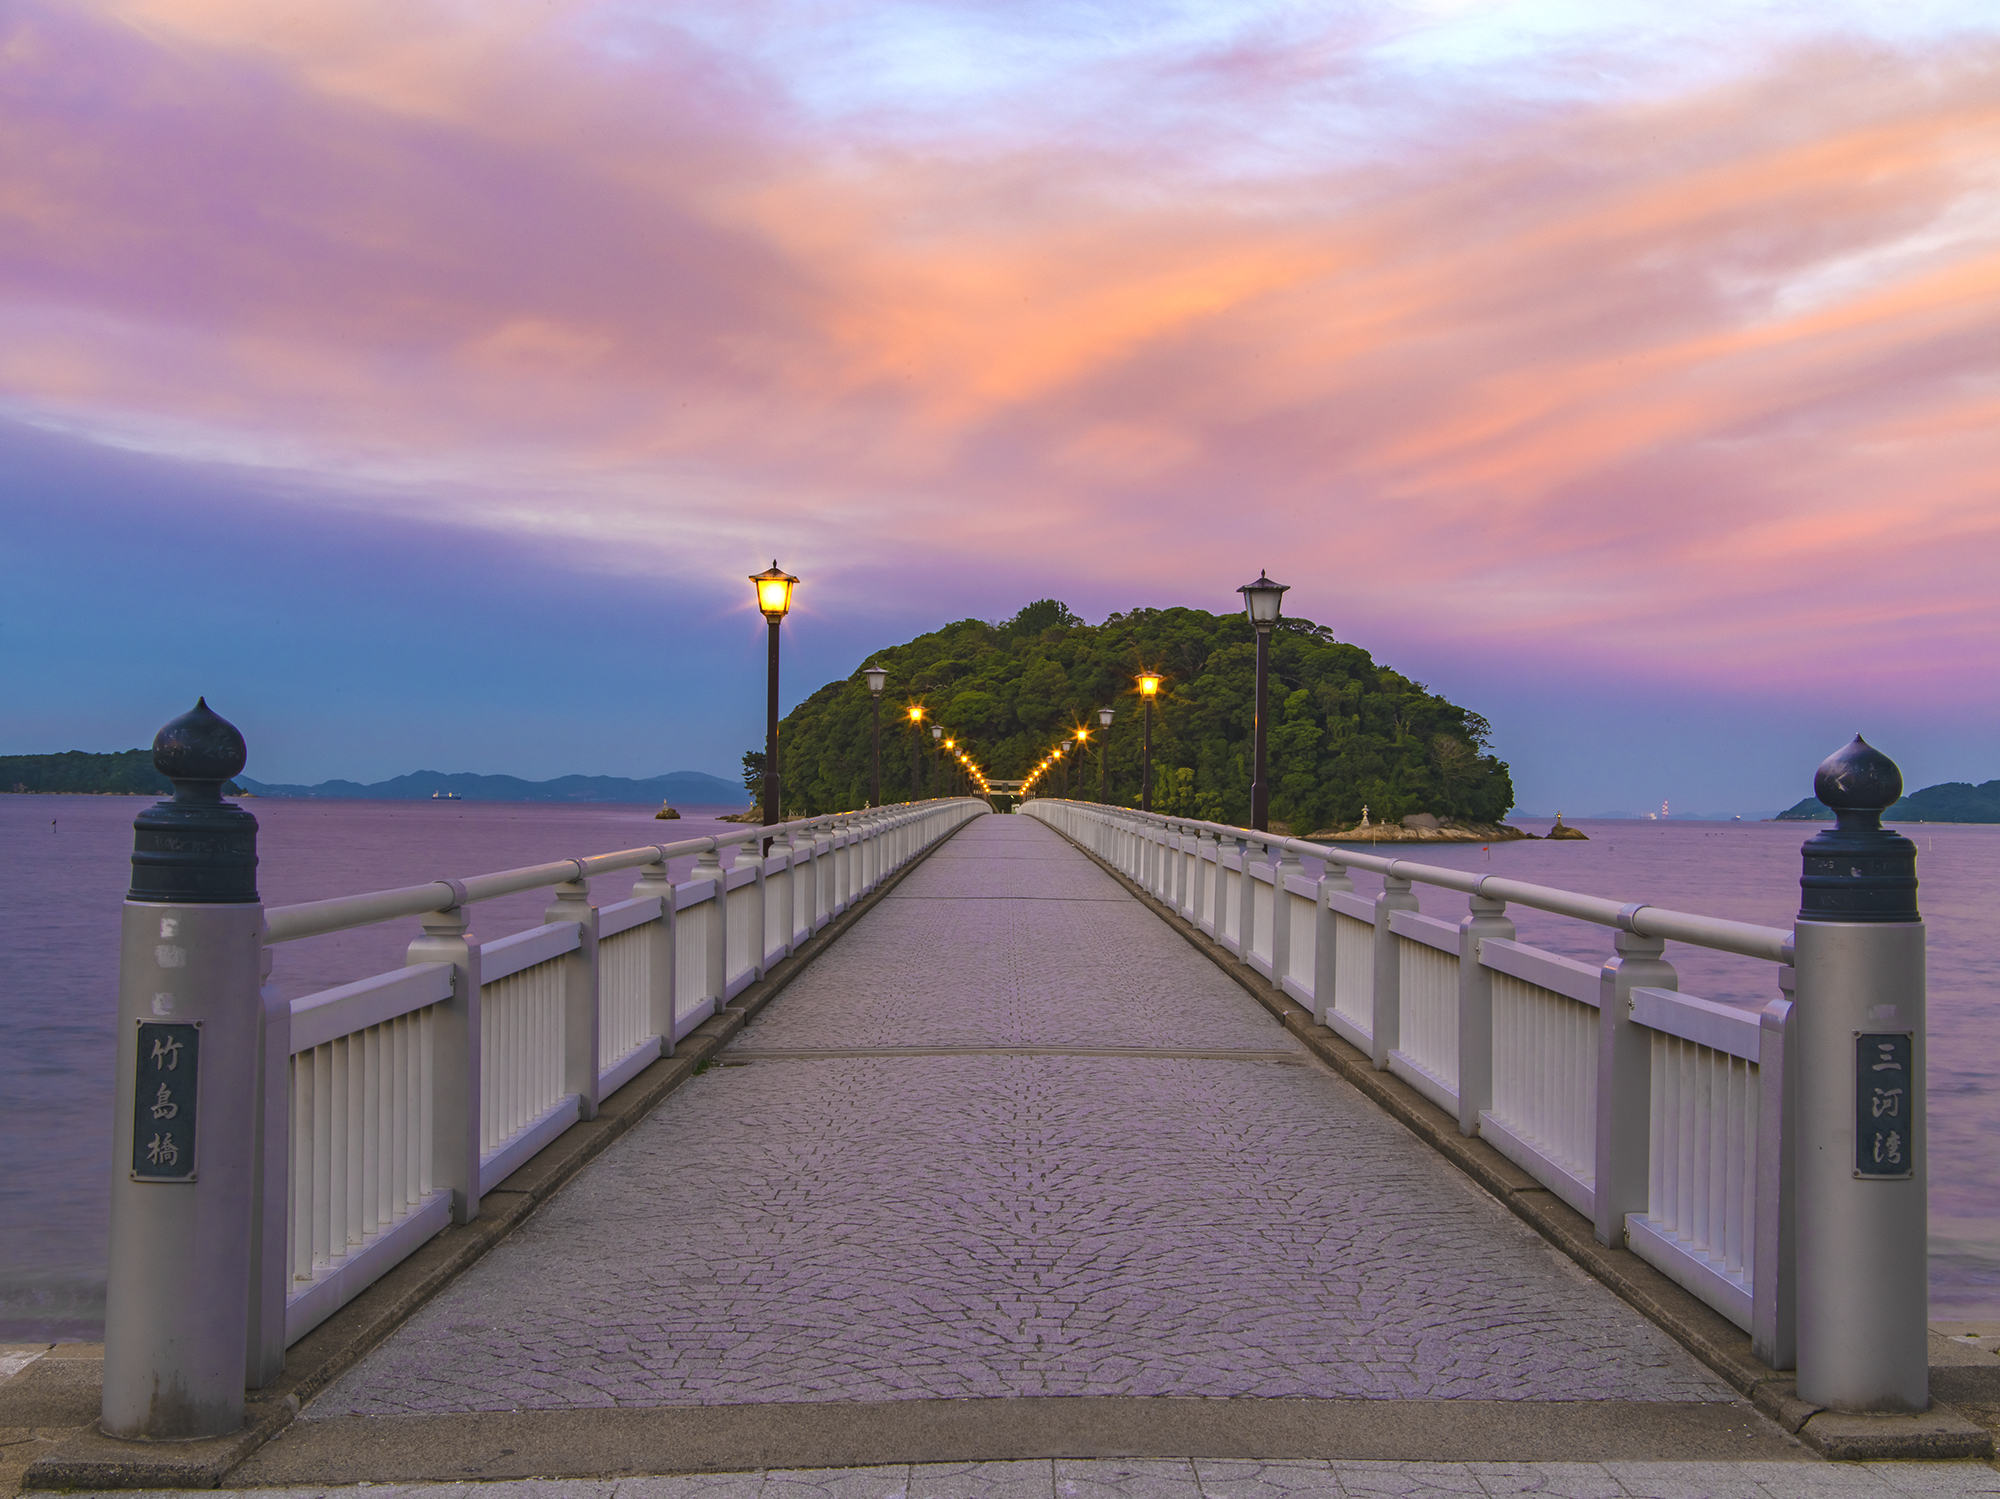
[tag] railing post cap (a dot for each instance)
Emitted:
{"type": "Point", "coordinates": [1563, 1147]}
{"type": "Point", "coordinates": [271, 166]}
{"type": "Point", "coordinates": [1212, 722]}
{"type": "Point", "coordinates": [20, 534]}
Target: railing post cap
{"type": "Point", "coordinates": [1858, 870]}
{"type": "Point", "coordinates": [1858, 778]}
{"type": "Point", "coordinates": [196, 849]}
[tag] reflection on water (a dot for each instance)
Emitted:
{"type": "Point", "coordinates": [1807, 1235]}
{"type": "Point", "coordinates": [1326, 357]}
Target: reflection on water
{"type": "Point", "coordinates": [58, 987]}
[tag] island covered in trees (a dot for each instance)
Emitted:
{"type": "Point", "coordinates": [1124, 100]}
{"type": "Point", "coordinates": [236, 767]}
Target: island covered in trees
{"type": "Point", "coordinates": [1346, 732]}
{"type": "Point", "coordinates": [81, 773]}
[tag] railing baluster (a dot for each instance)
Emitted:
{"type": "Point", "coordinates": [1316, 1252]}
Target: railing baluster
{"type": "Point", "coordinates": [579, 1042]}
{"type": "Point", "coordinates": [1485, 918]}
{"type": "Point", "coordinates": [457, 1052]}
{"type": "Point", "coordinates": [1388, 1026]}
{"type": "Point", "coordinates": [1624, 1077]}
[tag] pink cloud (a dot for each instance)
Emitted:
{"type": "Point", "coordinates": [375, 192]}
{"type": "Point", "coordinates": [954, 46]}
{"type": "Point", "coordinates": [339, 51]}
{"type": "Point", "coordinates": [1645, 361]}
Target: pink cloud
{"type": "Point", "coordinates": [1701, 385]}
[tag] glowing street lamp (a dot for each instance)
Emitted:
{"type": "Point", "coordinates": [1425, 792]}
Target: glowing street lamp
{"type": "Point", "coordinates": [1260, 602]}
{"type": "Point", "coordinates": [877, 676]}
{"type": "Point", "coordinates": [1149, 688]}
{"type": "Point", "coordinates": [916, 750]}
{"type": "Point", "coordinates": [774, 597]}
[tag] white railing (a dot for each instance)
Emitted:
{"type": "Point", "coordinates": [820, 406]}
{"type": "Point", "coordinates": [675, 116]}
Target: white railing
{"type": "Point", "coordinates": [1658, 1115]}
{"type": "Point", "coordinates": [396, 1102]}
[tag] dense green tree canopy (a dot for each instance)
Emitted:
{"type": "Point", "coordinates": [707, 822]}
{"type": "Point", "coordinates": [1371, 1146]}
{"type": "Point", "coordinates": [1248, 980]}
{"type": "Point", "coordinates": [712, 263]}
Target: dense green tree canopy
{"type": "Point", "coordinates": [127, 773]}
{"type": "Point", "coordinates": [1344, 731]}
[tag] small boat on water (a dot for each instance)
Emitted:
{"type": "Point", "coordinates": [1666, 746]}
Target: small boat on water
{"type": "Point", "coordinates": [446, 796]}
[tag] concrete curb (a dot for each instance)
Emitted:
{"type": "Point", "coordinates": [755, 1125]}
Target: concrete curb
{"type": "Point", "coordinates": [1941, 1432]}
{"type": "Point", "coordinates": [91, 1460]}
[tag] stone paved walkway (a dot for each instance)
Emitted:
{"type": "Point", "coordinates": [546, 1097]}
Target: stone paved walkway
{"type": "Point", "coordinates": [1204, 1478]}
{"type": "Point", "coordinates": [1015, 1216]}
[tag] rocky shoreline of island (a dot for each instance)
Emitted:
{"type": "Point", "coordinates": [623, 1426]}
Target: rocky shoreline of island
{"type": "Point", "coordinates": [1422, 827]}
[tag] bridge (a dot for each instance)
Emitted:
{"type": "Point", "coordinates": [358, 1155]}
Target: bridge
{"type": "Point", "coordinates": [1073, 1147]}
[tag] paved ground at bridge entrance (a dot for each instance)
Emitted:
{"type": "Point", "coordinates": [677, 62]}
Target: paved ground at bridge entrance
{"type": "Point", "coordinates": [1012, 1139]}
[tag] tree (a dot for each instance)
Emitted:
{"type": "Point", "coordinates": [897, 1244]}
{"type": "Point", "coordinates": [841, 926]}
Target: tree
{"type": "Point", "coordinates": [753, 776]}
{"type": "Point", "coordinates": [1345, 729]}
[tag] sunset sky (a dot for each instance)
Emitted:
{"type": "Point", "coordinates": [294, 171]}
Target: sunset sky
{"type": "Point", "coordinates": [420, 379]}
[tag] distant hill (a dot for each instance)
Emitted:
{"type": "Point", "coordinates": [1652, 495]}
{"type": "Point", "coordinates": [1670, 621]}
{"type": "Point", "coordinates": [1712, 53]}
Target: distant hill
{"type": "Point", "coordinates": [691, 786]}
{"type": "Point", "coordinates": [1952, 801]}
{"type": "Point", "coordinates": [78, 773]}
{"type": "Point", "coordinates": [131, 773]}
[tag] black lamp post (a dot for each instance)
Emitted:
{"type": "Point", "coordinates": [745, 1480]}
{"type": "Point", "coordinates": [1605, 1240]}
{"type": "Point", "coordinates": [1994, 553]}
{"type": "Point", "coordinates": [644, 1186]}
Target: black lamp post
{"type": "Point", "coordinates": [774, 597]}
{"type": "Point", "coordinates": [1104, 717]}
{"type": "Point", "coordinates": [1149, 688]}
{"type": "Point", "coordinates": [916, 751]}
{"type": "Point", "coordinates": [876, 677]}
{"type": "Point", "coordinates": [937, 769]}
{"type": "Point", "coordinates": [1260, 601]}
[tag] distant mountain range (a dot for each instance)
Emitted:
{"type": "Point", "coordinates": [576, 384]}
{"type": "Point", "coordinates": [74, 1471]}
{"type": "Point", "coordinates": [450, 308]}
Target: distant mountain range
{"type": "Point", "coordinates": [1621, 816]}
{"type": "Point", "coordinates": [1949, 801]}
{"type": "Point", "coordinates": [691, 786]}
{"type": "Point", "coordinates": [131, 773]}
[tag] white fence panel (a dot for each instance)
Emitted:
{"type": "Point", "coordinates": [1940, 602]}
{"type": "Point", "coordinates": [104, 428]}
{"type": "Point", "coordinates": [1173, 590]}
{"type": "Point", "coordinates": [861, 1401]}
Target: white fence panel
{"type": "Point", "coordinates": [1544, 1114]}
{"type": "Point", "coordinates": [1262, 902]}
{"type": "Point", "coordinates": [777, 909]}
{"type": "Point", "coordinates": [522, 1105]}
{"type": "Point", "coordinates": [1700, 1223]}
{"type": "Point", "coordinates": [1352, 1012]}
{"type": "Point", "coordinates": [359, 1189]}
{"type": "Point", "coordinates": [1427, 958]}
{"type": "Point", "coordinates": [1301, 957]}
{"type": "Point", "coordinates": [1229, 899]}
{"type": "Point", "coordinates": [624, 989]}
{"type": "Point", "coordinates": [693, 1001]}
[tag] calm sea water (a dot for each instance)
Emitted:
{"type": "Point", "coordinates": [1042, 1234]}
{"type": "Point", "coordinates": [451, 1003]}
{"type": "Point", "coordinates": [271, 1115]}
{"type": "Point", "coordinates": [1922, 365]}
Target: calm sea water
{"type": "Point", "coordinates": [58, 982]}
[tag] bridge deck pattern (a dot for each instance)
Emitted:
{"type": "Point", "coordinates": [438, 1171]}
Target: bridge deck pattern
{"type": "Point", "coordinates": [1204, 1212]}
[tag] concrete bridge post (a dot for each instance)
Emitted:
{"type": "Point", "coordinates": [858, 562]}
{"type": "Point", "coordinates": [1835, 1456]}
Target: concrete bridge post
{"type": "Point", "coordinates": [270, 1207]}
{"type": "Point", "coordinates": [662, 948]}
{"type": "Point", "coordinates": [1388, 1035]}
{"type": "Point", "coordinates": [750, 856]}
{"type": "Point", "coordinates": [788, 852]}
{"type": "Point", "coordinates": [1485, 919]}
{"type": "Point", "coordinates": [185, 1104]}
{"type": "Point", "coordinates": [825, 887]}
{"type": "Point", "coordinates": [1207, 870]}
{"type": "Point", "coordinates": [1249, 850]}
{"type": "Point", "coordinates": [1625, 1078]}
{"type": "Point", "coordinates": [1326, 936]}
{"type": "Point", "coordinates": [1862, 1216]}
{"type": "Point", "coordinates": [1281, 913]}
{"type": "Point", "coordinates": [581, 1041]}
{"type": "Point", "coordinates": [708, 866]}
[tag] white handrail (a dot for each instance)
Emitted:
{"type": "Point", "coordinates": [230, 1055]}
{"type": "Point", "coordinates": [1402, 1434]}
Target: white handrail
{"type": "Point", "coordinates": [317, 918]}
{"type": "Point", "coordinates": [410, 1094]}
{"type": "Point", "coordinates": [1656, 1114]}
{"type": "Point", "coordinates": [1773, 944]}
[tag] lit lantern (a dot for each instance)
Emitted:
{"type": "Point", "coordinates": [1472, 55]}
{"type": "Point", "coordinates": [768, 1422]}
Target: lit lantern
{"type": "Point", "coordinates": [774, 591]}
